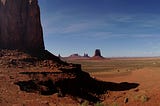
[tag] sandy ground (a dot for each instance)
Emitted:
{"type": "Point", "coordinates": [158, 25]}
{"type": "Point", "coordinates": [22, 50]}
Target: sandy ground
{"type": "Point", "coordinates": [146, 94]}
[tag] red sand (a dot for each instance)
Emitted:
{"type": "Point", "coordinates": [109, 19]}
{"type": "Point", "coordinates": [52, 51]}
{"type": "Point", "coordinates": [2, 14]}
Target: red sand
{"type": "Point", "coordinates": [149, 80]}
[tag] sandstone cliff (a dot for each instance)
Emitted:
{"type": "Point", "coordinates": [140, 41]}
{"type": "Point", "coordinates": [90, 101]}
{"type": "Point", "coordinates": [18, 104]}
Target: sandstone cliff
{"type": "Point", "coordinates": [20, 26]}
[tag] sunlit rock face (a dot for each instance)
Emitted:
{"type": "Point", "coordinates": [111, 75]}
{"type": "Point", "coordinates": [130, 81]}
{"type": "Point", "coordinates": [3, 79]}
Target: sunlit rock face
{"type": "Point", "coordinates": [20, 26]}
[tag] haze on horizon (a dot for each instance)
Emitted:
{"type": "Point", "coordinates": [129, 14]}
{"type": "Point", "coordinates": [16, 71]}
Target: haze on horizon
{"type": "Point", "coordinates": [118, 27]}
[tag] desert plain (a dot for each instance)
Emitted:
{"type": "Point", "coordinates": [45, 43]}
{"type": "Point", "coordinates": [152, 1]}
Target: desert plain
{"type": "Point", "coordinates": [30, 81]}
{"type": "Point", "coordinates": [30, 75]}
{"type": "Point", "coordinates": [145, 71]}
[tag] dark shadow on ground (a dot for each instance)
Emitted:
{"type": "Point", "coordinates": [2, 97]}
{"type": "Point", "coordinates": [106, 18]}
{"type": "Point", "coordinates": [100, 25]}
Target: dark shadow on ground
{"type": "Point", "coordinates": [81, 86]}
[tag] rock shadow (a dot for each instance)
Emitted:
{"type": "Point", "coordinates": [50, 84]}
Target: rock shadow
{"type": "Point", "coordinates": [82, 86]}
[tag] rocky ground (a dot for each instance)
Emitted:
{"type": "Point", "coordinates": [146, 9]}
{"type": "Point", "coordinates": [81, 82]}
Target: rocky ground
{"type": "Point", "coordinates": [44, 80]}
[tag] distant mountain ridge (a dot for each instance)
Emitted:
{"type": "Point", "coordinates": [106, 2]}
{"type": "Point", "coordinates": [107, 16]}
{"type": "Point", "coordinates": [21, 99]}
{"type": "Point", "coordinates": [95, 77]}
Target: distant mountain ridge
{"type": "Point", "coordinates": [97, 55]}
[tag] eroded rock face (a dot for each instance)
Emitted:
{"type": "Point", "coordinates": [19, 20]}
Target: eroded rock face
{"type": "Point", "coordinates": [20, 26]}
{"type": "Point", "coordinates": [97, 53]}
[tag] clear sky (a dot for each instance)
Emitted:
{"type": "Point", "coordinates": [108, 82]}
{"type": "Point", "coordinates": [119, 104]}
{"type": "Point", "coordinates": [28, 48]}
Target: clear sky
{"type": "Point", "coordinates": [117, 27]}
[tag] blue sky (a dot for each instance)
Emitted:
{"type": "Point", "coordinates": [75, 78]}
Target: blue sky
{"type": "Point", "coordinates": [118, 27]}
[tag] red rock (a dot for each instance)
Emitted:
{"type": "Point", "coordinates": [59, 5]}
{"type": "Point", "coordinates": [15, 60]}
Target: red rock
{"type": "Point", "coordinates": [20, 26]}
{"type": "Point", "coordinates": [97, 54]}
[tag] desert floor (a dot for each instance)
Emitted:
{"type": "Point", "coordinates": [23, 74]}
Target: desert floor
{"type": "Point", "coordinates": [146, 94]}
{"type": "Point", "coordinates": [143, 71]}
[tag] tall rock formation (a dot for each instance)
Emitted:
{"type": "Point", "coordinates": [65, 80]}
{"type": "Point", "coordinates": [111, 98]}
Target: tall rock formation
{"type": "Point", "coordinates": [20, 25]}
{"type": "Point", "coordinates": [97, 54]}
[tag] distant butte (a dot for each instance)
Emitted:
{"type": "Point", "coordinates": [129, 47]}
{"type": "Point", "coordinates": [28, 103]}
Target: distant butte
{"type": "Point", "coordinates": [97, 54]}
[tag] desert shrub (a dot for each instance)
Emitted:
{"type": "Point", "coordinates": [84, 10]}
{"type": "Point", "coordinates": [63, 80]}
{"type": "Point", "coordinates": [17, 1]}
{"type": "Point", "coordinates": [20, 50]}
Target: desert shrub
{"type": "Point", "coordinates": [114, 104]}
{"type": "Point", "coordinates": [85, 103]}
{"type": "Point", "coordinates": [136, 97]}
{"type": "Point", "coordinates": [144, 98]}
{"type": "Point", "coordinates": [98, 104]}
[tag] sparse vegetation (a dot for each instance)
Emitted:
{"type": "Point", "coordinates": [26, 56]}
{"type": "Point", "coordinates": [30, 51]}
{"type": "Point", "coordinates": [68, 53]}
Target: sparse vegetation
{"type": "Point", "coordinates": [99, 104]}
{"type": "Point", "coordinates": [114, 104]}
{"type": "Point", "coordinates": [142, 98]}
{"type": "Point", "coordinates": [85, 103]}
{"type": "Point", "coordinates": [116, 65]}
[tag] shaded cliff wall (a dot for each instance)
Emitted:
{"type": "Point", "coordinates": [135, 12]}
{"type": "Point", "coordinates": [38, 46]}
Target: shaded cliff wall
{"type": "Point", "coordinates": [20, 25]}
